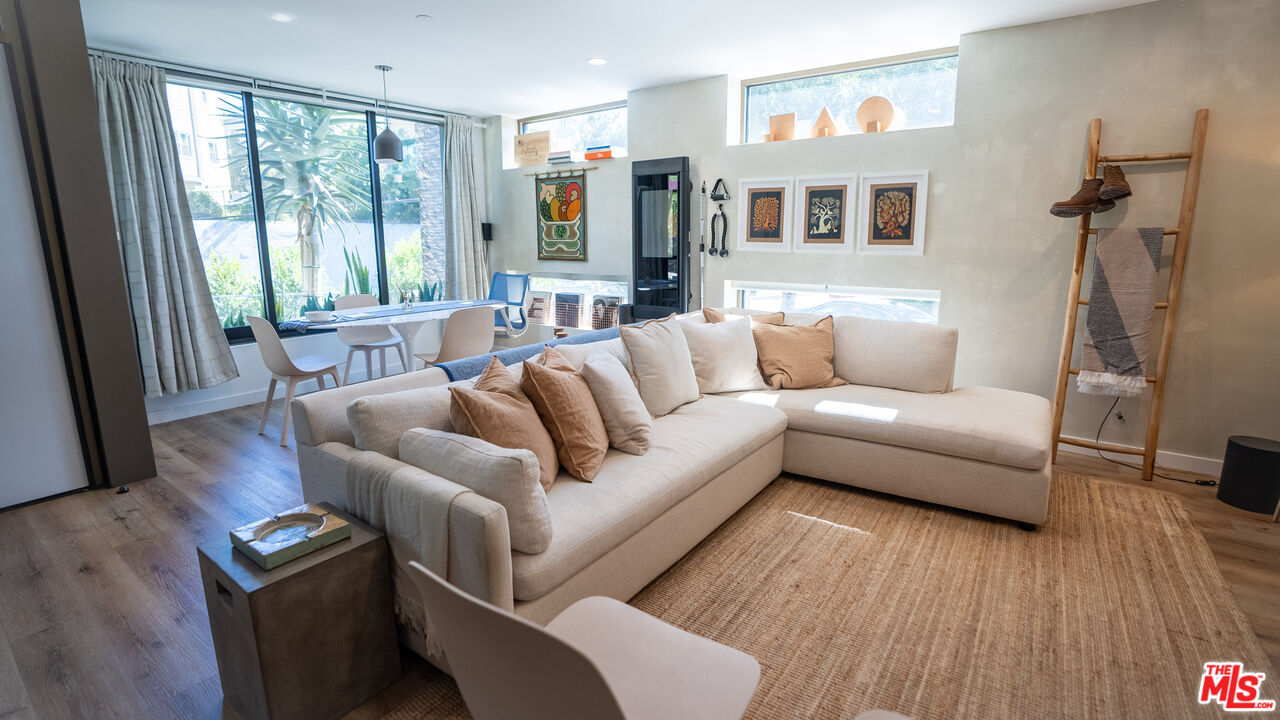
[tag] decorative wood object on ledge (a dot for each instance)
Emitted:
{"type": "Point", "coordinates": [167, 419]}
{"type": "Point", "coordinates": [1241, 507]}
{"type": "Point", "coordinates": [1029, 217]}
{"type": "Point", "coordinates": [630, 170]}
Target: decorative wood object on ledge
{"type": "Point", "coordinates": [875, 114]}
{"type": "Point", "coordinates": [532, 148]}
{"type": "Point", "coordinates": [1182, 233]}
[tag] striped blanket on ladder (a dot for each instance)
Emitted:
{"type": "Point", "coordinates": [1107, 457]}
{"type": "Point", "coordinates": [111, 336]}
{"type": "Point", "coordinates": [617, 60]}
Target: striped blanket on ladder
{"type": "Point", "coordinates": [1118, 331]}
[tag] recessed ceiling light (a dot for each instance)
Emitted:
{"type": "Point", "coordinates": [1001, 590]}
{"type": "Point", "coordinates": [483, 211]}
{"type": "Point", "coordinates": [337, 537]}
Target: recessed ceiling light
{"type": "Point", "coordinates": [423, 17]}
{"type": "Point", "coordinates": [281, 17]}
{"type": "Point", "coordinates": [596, 61]}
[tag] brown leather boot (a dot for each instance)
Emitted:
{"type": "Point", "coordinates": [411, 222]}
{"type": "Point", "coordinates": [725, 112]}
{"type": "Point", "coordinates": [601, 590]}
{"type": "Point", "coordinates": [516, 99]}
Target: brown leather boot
{"type": "Point", "coordinates": [1084, 201]}
{"type": "Point", "coordinates": [1114, 186]}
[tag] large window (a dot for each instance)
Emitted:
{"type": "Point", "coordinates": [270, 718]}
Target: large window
{"type": "Point", "coordinates": [923, 93]}
{"type": "Point", "coordinates": [413, 213]}
{"type": "Point", "coordinates": [324, 229]}
{"type": "Point", "coordinates": [879, 303]}
{"type": "Point", "coordinates": [221, 199]}
{"type": "Point", "coordinates": [578, 130]}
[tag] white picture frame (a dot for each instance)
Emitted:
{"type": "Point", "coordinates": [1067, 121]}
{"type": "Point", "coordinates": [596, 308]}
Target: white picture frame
{"type": "Point", "coordinates": [763, 190]}
{"type": "Point", "coordinates": [876, 237]}
{"type": "Point", "coordinates": [808, 237]}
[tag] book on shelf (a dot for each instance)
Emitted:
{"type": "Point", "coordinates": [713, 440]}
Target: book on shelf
{"type": "Point", "coordinates": [599, 152]}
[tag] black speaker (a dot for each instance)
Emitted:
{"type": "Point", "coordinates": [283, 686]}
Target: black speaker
{"type": "Point", "coordinates": [486, 231]}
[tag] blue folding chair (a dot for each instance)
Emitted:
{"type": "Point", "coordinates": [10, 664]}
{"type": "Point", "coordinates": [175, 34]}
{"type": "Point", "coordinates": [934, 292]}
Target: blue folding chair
{"type": "Point", "coordinates": [513, 289]}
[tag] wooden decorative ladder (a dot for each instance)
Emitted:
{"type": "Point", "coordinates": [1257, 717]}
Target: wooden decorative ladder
{"type": "Point", "coordinates": [1182, 233]}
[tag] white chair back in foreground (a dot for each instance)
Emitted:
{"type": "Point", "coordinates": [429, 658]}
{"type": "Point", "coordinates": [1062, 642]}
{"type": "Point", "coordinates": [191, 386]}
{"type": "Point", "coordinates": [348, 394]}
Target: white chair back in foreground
{"type": "Point", "coordinates": [600, 658]}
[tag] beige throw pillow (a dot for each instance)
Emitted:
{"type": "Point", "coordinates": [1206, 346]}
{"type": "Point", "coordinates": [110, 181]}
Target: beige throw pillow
{"type": "Point", "coordinates": [568, 411]}
{"type": "Point", "coordinates": [577, 354]}
{"type": "Point", "coordinates": [793, 356]}
{"type": "Point", "coordinates": [378, 421]}
{"type": "Point", "coordinates": [712, 315]}
{"type": "Point", "coordinates": [625, 418]}
{"type": "Point", "coordinates": [509, 477]}
{"type": "Point", "coordinates": [724, 356]}
{"type": "Point", "coordinates": [497, 411]}
{"type": "Point", "coordinates": [661, 364]}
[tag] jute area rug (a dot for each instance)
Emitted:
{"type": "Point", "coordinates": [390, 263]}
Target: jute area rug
{"type": "Point", "coordinates": [853, 601]}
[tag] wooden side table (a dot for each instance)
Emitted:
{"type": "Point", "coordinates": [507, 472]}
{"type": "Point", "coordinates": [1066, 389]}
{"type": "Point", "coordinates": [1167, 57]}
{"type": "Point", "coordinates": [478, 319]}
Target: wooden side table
{"type": "Point", "coordinates": [313, 638]}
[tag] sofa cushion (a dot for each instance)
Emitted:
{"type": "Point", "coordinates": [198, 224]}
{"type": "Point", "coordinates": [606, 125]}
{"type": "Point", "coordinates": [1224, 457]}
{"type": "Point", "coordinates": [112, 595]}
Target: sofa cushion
{"type": "Point", "coordinates": [661, 364]}
{"type": "Point", "coordinates": [626, 420]}
{"type": "Point", "coordinates": [713, 315]}
{"type": "Point", "coordinates": [578, 354]}
{"type": "Point", "coordinates": [378, 421]}
{"type": "Point", "coordinates": [796, 357]}
{"type": "Point", "coordinates": [506, 476]}
{"type": "Point", "coordinates": [901, 355]}
{"type": "Point", "coordinates": [688, 447]}
{"type": "Point", "coordinates": [724, 356]}
{"type": "Point", "coordinates": [568, 411]}
{"type": "Point", "coordinates": [1004, 427]}
{"type": "Point", "coordinates": [496, 410]}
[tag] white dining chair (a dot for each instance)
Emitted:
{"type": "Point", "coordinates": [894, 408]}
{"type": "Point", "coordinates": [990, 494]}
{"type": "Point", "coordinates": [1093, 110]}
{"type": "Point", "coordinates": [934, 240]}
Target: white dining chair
{"type": "Point", "coordinates": [467, 332]}
{"type": "Point", "coordinates": [600, 658]}
{"type": "Point", "coordinates": [367, 339]}
{"type": "Point", "coordinates": [291, 370]}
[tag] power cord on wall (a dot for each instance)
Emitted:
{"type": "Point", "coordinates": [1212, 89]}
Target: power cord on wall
{"type": "Point", "coordinates": [1098, 438]}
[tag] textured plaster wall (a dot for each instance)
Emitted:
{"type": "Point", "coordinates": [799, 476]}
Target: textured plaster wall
{"type": "Point", "coordinates": [1001, 262]}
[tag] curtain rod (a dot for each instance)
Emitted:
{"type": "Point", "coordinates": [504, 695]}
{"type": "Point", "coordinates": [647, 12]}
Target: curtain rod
{"type": "Point", "coordinates": [255, 84]}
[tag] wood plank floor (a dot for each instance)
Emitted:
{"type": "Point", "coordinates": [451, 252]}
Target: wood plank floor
{"type": "Point", "coordinates": [102, 614]}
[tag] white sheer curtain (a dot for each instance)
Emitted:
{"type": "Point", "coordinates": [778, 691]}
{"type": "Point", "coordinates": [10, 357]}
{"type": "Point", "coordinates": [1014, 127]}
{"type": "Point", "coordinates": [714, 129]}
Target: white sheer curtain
{"type": "Point", "coordinates": [470, 269]}
{"type": "Point", "coordinates": [180, 339]}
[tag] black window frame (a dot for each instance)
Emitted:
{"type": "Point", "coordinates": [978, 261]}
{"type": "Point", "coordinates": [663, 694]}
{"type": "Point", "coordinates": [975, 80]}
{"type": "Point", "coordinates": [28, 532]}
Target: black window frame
{"type": "Point", "coordinates": [243, 334]}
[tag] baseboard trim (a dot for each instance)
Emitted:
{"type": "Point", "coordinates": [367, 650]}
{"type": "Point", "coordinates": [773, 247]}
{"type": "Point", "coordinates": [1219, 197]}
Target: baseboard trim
{"type": "Point", "coordinates": [204, 407]}
{"type": "Point", "coordinates": [1164, 459]}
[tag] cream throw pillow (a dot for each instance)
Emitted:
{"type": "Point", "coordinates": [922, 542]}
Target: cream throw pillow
{"type": "Point", "coordinates": [724, 356]}
{"type": "Point", "coordinates": [625, 418]}
{"type": "Point", "coordinates": [795, 356]}
{"type": "Point", "coordinates": [661, 364]}
{"type": "Point", "coordinates": [509, 477]}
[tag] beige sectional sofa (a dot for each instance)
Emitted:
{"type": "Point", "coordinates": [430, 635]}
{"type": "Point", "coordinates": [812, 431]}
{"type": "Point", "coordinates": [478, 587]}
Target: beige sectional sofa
{"type": "Point", "coordinates": [898, 427]}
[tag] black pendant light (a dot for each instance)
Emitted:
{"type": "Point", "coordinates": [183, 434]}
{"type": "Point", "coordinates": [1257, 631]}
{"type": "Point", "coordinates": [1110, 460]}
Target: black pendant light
{"type": "Point", "coordinates": [387, 149]}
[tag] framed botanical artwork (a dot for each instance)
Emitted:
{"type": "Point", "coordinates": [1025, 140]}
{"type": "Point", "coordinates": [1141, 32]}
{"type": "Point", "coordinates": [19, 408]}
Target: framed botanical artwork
{"type": "Point", "coordinates": [562, 216]}
{"type": "Point", "coordinates": [823, 216]}
{"type": "Point", "coordinates": [891, 212]}
{"type": "Point", "coordinates": [763, 206]}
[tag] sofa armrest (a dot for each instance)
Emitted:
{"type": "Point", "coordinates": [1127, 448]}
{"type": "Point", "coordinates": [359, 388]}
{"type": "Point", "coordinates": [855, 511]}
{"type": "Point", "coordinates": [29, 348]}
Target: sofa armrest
{"type": "Point", "coordinates": [478, 536]}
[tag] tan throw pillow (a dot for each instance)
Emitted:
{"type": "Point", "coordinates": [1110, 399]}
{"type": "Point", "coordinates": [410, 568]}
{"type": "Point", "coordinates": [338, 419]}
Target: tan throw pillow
{"type": "Point", "coordinates": [563, 401]}
{"type": "Point", "coordinates": [712, 315]}
{"type": "Point", "coordinates": [794, 356]}
{"type": "Point", "coordinates": [492, 413]}
{"type": "Point", "coordinates": [661, 364]}
{"type": "Point", "coordinates": [625, 418]}
{"type": "Point", "coordinates": [724, 356]}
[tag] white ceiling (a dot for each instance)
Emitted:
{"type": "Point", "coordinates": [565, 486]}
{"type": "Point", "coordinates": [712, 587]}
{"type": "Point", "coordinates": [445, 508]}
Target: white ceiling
{"type": "Point", "coordinates": [521, 57]}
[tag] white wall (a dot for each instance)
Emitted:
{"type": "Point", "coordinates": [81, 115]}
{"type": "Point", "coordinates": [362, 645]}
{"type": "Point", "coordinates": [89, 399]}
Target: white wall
{"type": "Point", "coordinates": [39, 439]}
{"type": "Point", "coordinates": [1001, 262]}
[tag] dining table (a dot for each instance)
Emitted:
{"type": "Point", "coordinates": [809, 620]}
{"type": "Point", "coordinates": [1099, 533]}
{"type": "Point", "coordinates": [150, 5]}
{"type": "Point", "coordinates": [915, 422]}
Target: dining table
{"type": "Point", "coordinates": [406, 319]}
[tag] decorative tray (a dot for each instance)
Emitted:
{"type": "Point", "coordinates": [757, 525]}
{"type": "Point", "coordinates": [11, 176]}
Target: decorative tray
{"type": "Point", "coordinates": [289, 535]}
